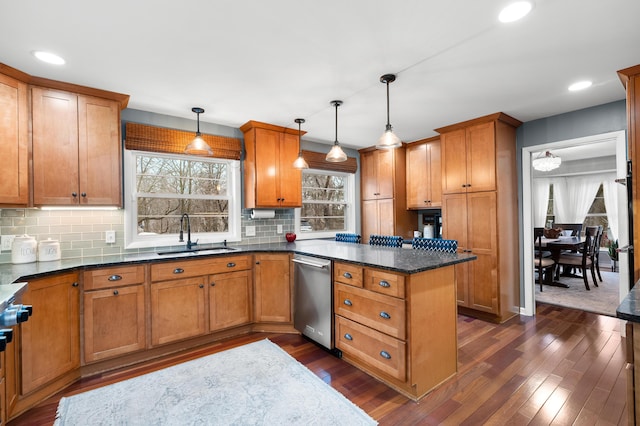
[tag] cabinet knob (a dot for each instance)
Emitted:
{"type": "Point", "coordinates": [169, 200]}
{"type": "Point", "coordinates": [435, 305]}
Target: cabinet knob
{"type": "Point", "coordinates": [348, 302]}
{"type": "Point", "coordinates": [114, 278]}
{"type": "Point", "coordinates": [384, 284]}
{"type": "Point", "coordinates": [74, 194]}
{"type": "Point", "coordinates": [178, 271]}
{"type": "Point", "coordinates": [347, 275]}
{"type": "Point", "coordinates": [231, 265]}
{"type": "Point", "coordinates": [348, 336]}
{"type": "Point", "coordinates": [83, 194]}
{"type": "Point", "coordinates": [213, 284]}
{"type": "Point", "coordinates": [257, 262]}
{"type": "Point", "coordinates": [385, 354]}
{"type": "Point", "coordinates": [75, 284]}
{"type": "Point", "coordinates": [201, 286]}
{"type": "Point", "coordinates": [115, 292]}
{"type": "Point", "coordinates": [385, 315]}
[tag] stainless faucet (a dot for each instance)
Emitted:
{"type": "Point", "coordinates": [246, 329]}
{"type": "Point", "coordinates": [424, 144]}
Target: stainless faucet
{"type": "Point", "coordinates": [181, 239]}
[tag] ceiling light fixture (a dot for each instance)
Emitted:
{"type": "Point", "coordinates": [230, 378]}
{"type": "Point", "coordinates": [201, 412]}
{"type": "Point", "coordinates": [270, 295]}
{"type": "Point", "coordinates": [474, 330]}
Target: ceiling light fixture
{"type": "Point", "coordinates": [515, 11]}
{"type": "Point", "coordinates": [48, 57]}
{"type": "Point", "coordinates": [546, 161]}
{"type": "Point", "coordinates": [580, 85]}
{"type": "Point", "coordinates": [336, 155]}
{"type": "Point", "coordinates": [388, 139]}
{"type": "Point", "coordinates": [300, 162]}
{"type": "Point", "coordinates": [198, 146]}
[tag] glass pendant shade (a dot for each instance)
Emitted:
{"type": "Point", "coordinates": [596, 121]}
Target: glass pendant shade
{"type": "Point", "coordinates": [546, 162]}
{"type": "Point", "coordinates": [198, 146]}
{"type": "Point", "coordinates": [336, 154]}
{"type": "Point", "coordinates": [388, 140]}
{"type": "Point", "coordinates": [300, 162]}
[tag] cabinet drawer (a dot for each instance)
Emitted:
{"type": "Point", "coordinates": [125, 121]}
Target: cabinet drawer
{"type": "Point", "coordinates": [383, 313]}
{"type": "Point", "coordinates": [374, 349]}
{"type": "Point", "coordinates": [347, 273]}
{"type": "Point", "coordinates": [200, 267]}
{"type": "Point", "coordinates": [113, 277]}
{"type": "Point", "coordinates": [384, 282]}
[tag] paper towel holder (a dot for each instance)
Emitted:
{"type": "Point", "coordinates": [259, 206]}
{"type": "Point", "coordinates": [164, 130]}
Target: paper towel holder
{"type": "Point", "coordinates": [262, 214]}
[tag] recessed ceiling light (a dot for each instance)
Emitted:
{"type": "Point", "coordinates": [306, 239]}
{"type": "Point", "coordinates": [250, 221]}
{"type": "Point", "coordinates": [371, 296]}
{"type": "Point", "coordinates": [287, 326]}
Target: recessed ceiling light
{"type": "Point", "coordinates": [580, 85]}
{"type": "Point", "coordinates": [515, 11]}
{"type": "Point", "coordinates": [48, 57]}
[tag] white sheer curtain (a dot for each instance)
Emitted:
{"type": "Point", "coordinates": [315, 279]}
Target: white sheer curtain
{"type": "Point", "coordinates": [610, 189]}
{"type": "Point", "coordinates": [540, 201]}
{"type": "Point", "coordinates": [573, 196]}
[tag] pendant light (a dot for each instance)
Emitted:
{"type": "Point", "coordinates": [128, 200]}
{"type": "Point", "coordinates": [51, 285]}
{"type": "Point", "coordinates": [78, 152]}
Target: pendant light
{"type": "Point", "coordinates": [198, 146]}
{"type": "Point", "coordinates": [388, 140]}
{"type": "Point", "coordinates": [336, 155]}
{"type": "Point", "coordinates": [300, 162]}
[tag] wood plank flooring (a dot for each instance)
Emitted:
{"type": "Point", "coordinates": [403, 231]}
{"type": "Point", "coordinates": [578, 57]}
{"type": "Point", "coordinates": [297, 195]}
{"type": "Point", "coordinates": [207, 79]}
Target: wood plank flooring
{"type": "Point", "coordinates": [561, 367]}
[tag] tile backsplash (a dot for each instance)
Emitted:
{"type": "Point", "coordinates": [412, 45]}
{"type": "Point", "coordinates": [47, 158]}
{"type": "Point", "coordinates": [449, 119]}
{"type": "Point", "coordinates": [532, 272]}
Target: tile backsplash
{"type": "Point", "coordinates": [81, 233]}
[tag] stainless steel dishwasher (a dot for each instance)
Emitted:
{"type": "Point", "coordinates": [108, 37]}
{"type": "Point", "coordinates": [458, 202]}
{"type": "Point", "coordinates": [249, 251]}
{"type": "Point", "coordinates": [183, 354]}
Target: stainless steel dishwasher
{"type": "Point", "coordinates": [313, 299]}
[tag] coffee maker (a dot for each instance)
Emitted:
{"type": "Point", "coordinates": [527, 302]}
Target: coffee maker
{"type": "Point", "coordinates": [432, 224]}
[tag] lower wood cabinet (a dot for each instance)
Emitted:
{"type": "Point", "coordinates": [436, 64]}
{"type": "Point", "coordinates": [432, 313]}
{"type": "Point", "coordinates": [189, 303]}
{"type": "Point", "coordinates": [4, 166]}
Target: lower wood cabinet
{"type": "Point", "coordinates": [114, 315]}
{"type": "Point", "coordinates": [273, 283]}
{"type": "Point", "coordinates": [230, 300]}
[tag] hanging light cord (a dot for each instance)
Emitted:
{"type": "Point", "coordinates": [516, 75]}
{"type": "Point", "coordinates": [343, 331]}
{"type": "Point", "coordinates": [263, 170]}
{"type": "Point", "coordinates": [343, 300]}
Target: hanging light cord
{"type": "Point", "coordinates": [337, 105]}
{"type": "Point", "coordinates": [388, 121]}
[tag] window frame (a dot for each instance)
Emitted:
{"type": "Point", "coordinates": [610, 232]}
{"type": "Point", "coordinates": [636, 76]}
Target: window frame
{"type": "Point", "coordinates": [350, 207]}
{"type": "Point", "coordinates": [135, 240]}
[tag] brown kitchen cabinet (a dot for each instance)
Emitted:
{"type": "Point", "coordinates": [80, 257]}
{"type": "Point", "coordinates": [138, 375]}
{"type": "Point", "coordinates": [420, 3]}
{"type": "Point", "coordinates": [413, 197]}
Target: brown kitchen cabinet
{"type": "Point", "coordinates": [50, 339]}
{"type": "Point", "coordinates": [398, 328]}
{"type": "Point", "coordinates": [114, 315]}
{"type": "Point", "coordinates": [14, 143]}
{"type": "Point", "coordinates": [480, 211]}
{"type": "Point", "coordinates": [383, 193]}
{"type": "Point", "coordinates": [270, 180]}
{"type": "Point", "coordinates": [230, 300]}
{"type": "Point", "coordinates": [273, 283]}
{"type": "Point", "coordinates": [77, 155]}
{"type": "Point", "coordinates": [424, 180]}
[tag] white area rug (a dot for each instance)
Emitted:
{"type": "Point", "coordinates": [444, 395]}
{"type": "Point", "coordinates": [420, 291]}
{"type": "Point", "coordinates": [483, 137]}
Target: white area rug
{"type": "Point", "coordinates": [254, 384]}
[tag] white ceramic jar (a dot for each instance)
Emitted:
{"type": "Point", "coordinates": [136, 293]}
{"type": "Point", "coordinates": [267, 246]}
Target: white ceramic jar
{"type": "Point", "coordinates": [23, 249]}
{"type": "Point", "coordinates": [48, 250]}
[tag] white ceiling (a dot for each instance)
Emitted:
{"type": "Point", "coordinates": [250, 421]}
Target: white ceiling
{"type": "Point", "coordinates": [276, 60]}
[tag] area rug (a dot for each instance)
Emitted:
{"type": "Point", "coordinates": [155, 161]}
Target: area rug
{"type": "Point", "coordinates": [603, 299]}
{"type": "Point", "coordinates": [254, 384]}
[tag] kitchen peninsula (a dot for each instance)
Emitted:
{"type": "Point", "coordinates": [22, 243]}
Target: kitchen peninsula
{"type": "Point", "coordinates": [395, 317]}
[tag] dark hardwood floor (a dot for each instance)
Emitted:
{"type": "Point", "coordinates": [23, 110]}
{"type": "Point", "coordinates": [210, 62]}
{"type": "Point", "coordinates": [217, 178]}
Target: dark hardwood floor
{"type": "Point", "coordinates": [561, 367]}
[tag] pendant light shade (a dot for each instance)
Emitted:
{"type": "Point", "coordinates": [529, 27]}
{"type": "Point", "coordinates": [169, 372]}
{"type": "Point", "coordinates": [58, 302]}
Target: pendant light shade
{"type": "Point", "coordinates": [388, 139]}
{"type": "Point", "coordinates": [198, 146]}
{"type": "Point", "coordinates": [336, 155]}
{"type": "Point", "coordinates": [546, 162]}
{"type": "Point", "coordinates": [300, 162]}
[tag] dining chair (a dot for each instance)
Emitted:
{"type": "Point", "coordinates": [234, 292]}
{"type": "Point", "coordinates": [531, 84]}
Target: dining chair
{"type": "Point", "coordinates": [385, 240]}
{"type": "Point", "coordinates": [348, 238]}
{"type": "Point", "coordinates": [596, 252]}
{"type": "Point", "coordinates": [583, 260]}
{"type": "Point", "coordinates": [435, 244]}
{"type": "Point", "coordinates": [541, 262]}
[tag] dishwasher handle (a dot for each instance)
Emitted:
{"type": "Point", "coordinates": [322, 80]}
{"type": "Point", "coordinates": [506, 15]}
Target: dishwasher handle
{"type": "Point", "coordinates": [311, 263]}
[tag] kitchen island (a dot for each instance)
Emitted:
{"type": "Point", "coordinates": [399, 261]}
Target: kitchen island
{"type": "Point", "coordinates": [395, 317]}
{"type": "Point", "coordinates": [629, 310]}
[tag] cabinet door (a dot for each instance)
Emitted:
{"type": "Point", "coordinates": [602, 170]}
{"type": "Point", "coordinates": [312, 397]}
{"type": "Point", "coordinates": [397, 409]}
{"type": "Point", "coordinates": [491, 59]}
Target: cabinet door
{"type": "Point", "coordinates": [114, 322]}
{"type": "Point", "coordinates": [229, 300]}
{"type": "Point", "coordinates": [369, 223]}
{"type": "Point", "coordinates": [482, 240]}
{"type": "Point", "coordinates": [386, 218]}
{"type": "Point", "coordinates": [178, 310]}
{"type": "Point", "coordinates": [51, 338]}
{"type": "Point", "coordinates": [55, 147]}
{"type": "Point", "coordinates": [290, 184]}
{"type": "Point", "coordinates": [454, 162]}
{"type": "Point", "coordinates": [14, 128]}
{"type": "Point", "coordinates": [273, 284]}
{"type": "Point", "coordinates": [384, 160]}
{"type": "Point", "coordinates": [435, 174]}
{"type": "Point", "coordinates": [99, 150]}
{"type": "Point", "coordinates": [454, 227]}
{"type": "Point", "coordinates": [481, 158]}
{"type": "Point", "coordinates": [418, 177]}
{"type": "Point", "coordinates": [267, 146]}
{"type": "Point", "coordinates": [369, 184]}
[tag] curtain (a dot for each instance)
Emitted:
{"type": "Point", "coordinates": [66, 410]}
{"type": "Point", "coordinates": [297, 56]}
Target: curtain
{"type": "Point", "coordinates": [573, 196]}
{"type": "Point", "coordinates": [540, 201]}
{"type": "Point", "coordinates": [610, 189]}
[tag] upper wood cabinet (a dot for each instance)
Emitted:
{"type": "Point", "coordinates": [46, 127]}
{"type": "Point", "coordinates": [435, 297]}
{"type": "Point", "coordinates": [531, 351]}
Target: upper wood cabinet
{"type": "Point", "coordinates": [378, 174]}
{"type": "Point", "coordinates": [424, 180]}
{"type": "Point", "coordinates": [77, 155]}
{"type": "Point", "coordinates": [270, 180]}
{"type": "Point", "coordinates": [14, 141]}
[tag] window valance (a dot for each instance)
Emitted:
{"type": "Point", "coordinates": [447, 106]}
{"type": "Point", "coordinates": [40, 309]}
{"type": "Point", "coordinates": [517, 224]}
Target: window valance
{"type": "Point", "coordinates": [316, 160]}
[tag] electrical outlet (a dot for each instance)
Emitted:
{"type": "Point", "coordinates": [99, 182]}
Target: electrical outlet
{"type": "Point", "coordinates": [110, 237]}
{"type": "Point", "coordinates": [250, 231]}
{"type": "Point", "coordinates": [279, 229]}
{"type": "Point", "coordinates": [7, 240]}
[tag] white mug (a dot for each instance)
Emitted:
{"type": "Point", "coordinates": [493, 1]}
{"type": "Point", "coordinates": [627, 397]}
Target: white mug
{"type": "Point", "coordinates": [416, 234]}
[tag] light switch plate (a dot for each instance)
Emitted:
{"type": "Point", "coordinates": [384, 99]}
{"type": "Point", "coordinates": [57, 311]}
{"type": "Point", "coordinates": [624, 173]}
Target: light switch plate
{"type": "Point", "coordinates": [279, 229]}
{"type": "Point", "coordinates": [250, 231]}
{"type": "Point", "coordinates": [7, 240]}
{"type": "Point", "coordinates": [110, 237]}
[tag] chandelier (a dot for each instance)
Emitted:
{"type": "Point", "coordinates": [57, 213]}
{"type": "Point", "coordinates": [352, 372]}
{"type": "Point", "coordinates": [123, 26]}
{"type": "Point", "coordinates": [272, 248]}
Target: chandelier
{"type": "Point", "coordinates": [546, 161]}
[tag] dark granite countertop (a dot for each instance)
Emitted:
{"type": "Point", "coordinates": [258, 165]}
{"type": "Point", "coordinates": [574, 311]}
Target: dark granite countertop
{"type": "Point", "coordinates": [402, 260]}
{"type": "Point", "coordinates": [629, 308]}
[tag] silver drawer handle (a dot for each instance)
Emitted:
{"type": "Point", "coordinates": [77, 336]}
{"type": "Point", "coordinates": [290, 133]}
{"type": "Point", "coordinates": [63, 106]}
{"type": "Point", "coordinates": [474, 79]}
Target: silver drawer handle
{"type": "Point", "coordinates": [384, 284]}
{"type": "Point", "coordinates": [178, 271]}
{"type": "Point", "coordinates": [348, 336]}
{"type": "Point", "coordinates": [347, 275]}
{"type": "Point", "coordinates": [385, 315]}
{"type": "Point", "coordinates": [348, 302]}
{"type": "Point", "coordinates": [230, 265]}
{"type": "Point", "coordinates": [385, 354]}
{"type": "Point", "coordinates": [114, 278]}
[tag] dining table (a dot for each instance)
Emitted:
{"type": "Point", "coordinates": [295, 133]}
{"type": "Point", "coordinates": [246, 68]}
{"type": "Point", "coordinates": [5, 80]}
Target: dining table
{"type": "Point", "coordinates": [556, 246]}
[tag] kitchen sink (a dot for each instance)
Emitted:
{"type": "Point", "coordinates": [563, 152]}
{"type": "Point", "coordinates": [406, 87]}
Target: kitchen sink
{"type": "Point", "coordinates": [199, 250]}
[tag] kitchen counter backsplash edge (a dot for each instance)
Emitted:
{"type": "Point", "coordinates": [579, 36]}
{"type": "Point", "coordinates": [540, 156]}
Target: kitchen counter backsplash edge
{"type": "Point", "coordinates": [398, 260]}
